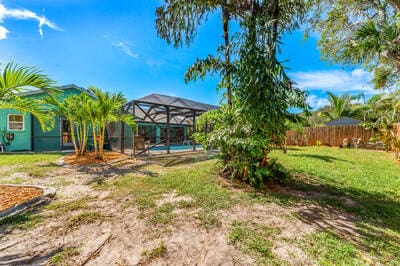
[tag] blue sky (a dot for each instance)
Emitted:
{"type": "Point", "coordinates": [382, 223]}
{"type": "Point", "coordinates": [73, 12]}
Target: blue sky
{"type": "Point", "coordinates": [114, 45]}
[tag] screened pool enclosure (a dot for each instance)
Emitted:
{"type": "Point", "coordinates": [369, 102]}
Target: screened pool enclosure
{"type": "Point", "coordinates": [165, 124]}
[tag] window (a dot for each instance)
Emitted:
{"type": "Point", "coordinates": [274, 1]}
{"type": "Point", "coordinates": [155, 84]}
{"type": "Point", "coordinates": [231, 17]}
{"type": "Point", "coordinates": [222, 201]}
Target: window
{"type": "Point", "coordinates": [16, 122]}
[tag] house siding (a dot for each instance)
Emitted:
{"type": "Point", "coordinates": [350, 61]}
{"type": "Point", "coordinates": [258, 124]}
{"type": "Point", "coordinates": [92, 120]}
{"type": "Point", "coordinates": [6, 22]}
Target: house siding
{"type": "Point", "coordinates": [22, 138]}
{"type": "Point", "coordinates": [42, 141]}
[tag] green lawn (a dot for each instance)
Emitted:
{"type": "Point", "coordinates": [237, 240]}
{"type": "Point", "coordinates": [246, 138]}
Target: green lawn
{"type": "Point", "coordinates": [35, 165]}
{"type": "Point", "coordinates": [369, 177]}
{"type": "Point", "coordinates": [27, 159]}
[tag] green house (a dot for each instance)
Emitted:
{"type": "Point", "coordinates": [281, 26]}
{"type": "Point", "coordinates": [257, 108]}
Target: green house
{"type": "Point", "coordinates": [22, 132]}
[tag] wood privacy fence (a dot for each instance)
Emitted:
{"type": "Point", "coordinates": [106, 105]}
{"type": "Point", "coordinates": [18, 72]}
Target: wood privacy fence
{"type": "Point", "coordinates": [331, 136]}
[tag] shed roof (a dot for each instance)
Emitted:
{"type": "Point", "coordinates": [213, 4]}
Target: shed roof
{"type": "Point", "coordinates": [343, 121]}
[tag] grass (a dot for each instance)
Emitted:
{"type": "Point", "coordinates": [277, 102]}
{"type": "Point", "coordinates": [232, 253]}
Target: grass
{"type": "Point", "coordinates": [85, 217]}
{"type": "Point", "coordinates": [368, 177]}
{"type": "Point", "coordinates": [371, 179]}
{"type": "Point", "coordinates": [23, 162]}
{"type": "Point", "coordinates": [254, 241]}
{"type": "Point", "coordinates": [28, 159]}
{"type": "Point", "coordinates": [62, 256]}
{"type": "Point", "coordinates": [25, 220]}
{"type": "Point", "coordinates": [199, 182]}
{"type": "Point", "coordinates": [158, 252]}
{"type": "Point", "coordinates": [62, 207]}
{"type": "Point", "coordinates": [329, 249]}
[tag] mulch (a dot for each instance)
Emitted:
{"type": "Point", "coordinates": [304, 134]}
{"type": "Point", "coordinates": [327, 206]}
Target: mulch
{"type": "Point", "coordinates": [88, 158]}
{"type": "Point", "coordinates": [13, 195]}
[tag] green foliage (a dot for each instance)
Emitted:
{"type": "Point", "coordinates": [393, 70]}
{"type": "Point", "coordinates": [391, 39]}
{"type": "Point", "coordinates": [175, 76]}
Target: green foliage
{"type": "Point", "coordinates": [16, 80]}
{"type": "Point", "coordinates": [342, 106]}
{"type": "Point", "coordinates": [359, 32]}
{"type": "Point", "coordinates": [91, 111]}
{"type": "Point", "coordinates": [383, 114]}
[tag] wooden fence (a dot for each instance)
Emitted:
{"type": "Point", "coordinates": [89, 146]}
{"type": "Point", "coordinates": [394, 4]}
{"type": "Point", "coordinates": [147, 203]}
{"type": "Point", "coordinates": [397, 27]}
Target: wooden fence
{"type": "Point", "coordinates": [331, 136]}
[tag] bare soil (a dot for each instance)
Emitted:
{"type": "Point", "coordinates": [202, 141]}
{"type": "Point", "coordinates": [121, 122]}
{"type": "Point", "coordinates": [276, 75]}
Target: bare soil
{"type": "Point", "coordinates": [121, 237]}
{"type": "Point", "coordinates": [14, 195]}
{"type": "Point", "coordinates": [89, 158]}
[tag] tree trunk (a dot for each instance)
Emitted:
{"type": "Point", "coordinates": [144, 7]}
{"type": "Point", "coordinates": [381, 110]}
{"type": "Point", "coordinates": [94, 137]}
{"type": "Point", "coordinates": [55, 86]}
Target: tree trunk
{"type": "Point", "coordinates": [71, 124]}
{"type": "Point", "coordinates": [225, 22]}
{"type": "Point", "coordinates": [85, 135]}
{"type": "Point", "coordinates": [96, 151]}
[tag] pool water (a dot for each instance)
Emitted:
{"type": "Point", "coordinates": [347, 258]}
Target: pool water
{"type": "Point", "coordinates": [175, 147]}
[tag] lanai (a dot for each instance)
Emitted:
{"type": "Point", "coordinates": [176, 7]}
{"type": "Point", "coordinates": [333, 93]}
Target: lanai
{"type": "Point", "coordinates": [163, 111]}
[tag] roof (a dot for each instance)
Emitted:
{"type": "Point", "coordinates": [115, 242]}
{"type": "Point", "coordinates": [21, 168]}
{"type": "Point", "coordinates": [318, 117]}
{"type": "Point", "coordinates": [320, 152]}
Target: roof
{"type": "Point", "coordinates": [64, 87]}
{"type": "Point", "coordinates": [343, 121]}
{"type": "Point", "coordinates": [153, 108]}
{"type": "Point", "coordinates": [176, 102]}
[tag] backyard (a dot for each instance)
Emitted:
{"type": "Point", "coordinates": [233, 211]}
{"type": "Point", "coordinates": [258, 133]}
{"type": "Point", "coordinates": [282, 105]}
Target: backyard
{"type": "Point", "coordinates": [341, 206]}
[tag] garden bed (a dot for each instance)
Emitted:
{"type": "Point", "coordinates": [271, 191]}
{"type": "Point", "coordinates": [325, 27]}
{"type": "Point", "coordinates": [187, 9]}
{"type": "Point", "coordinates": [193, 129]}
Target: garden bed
{"type": "Point", "coordinates": [88, 158]}
{"type": "Point", "coordinates": [11, 196]}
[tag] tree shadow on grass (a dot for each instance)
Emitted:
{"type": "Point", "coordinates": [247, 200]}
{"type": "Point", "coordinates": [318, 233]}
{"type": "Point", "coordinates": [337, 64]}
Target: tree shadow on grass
{"type": "Point", "coordinates": [177, 160]}
{"type": "Point", "coordinates": [325, 158]}
{"type": "Point", "coordinates": [371, 221]}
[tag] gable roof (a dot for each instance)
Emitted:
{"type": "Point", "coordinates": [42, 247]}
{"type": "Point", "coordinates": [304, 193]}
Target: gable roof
{"type": "Point", "coordinates": [178, 102]}
{"type": "Point", "coordinates": [64, 87]}
{"type": "Point", "coordinates": [343, 121]}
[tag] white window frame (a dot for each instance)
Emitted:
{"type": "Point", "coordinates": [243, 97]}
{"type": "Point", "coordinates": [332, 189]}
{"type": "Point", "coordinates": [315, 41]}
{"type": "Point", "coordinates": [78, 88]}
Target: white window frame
{"type": "Point", "coordinates": [8, 122]}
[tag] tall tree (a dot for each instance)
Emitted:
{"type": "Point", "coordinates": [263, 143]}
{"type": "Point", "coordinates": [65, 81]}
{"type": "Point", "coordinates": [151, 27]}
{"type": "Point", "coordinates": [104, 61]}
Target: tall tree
{"type": "Point", "coordinates": [360, 32]}
{"type": "Point", "coordinates": [177, 22]}
{"type": "Point", "coordinates": [262, 92]}
{"type": "Point", "coordinates": [15, 80]}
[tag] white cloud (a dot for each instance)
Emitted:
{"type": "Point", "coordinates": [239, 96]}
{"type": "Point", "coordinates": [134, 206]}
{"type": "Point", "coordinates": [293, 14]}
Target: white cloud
{"type": "Point", "coordinates": [3, 33]}
{"type": "Point", "coordinates": [315, 102]}
{"type": "Point", "coordinates": [124, 46]}
{"type": "Point", "coordinates": [23, 14]}
{"type": "Point", "coordinates": [336, 81]}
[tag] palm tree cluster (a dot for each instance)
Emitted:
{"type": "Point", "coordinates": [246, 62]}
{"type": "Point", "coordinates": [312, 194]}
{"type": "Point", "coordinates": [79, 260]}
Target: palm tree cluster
{"type": "Point", "coordinates": [90, 113]}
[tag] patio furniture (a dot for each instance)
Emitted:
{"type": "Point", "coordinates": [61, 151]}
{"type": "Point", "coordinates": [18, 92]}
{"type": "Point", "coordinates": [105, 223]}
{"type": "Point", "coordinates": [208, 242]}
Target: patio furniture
{"type": "Point", "coordinates": [356, 142]}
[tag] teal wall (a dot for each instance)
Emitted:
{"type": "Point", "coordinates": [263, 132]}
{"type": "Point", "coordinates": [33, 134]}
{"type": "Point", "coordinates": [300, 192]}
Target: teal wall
{"type": "Point", "coordinates": [22, 138]}
{"type": "Point", "coordinates": [43, 141]}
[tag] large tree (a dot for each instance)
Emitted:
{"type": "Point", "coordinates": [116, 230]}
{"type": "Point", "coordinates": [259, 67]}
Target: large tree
{"type": "Point", "coordinates": [15, 80]}
{"type": "Point", "coordinates": [262, 93]}
{"type": "Point", "coordinates": [357, 32]}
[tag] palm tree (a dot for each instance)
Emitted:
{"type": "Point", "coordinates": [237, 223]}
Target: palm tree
{"type": "Point", "coordinates": [341, 105]}
{"type": "Point", "coordinates": [104, 109]}
{"type": "Point", "coordinates": [378, 43]}
{"type": "Point", "coordinates": [74, 109]}
{"type": "Point", "coordinates": [14, 81]}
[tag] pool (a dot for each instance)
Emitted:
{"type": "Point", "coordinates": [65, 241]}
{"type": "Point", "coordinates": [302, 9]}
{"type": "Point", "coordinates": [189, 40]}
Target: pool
{"type": "Point", "coordinates": [175, 147]}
